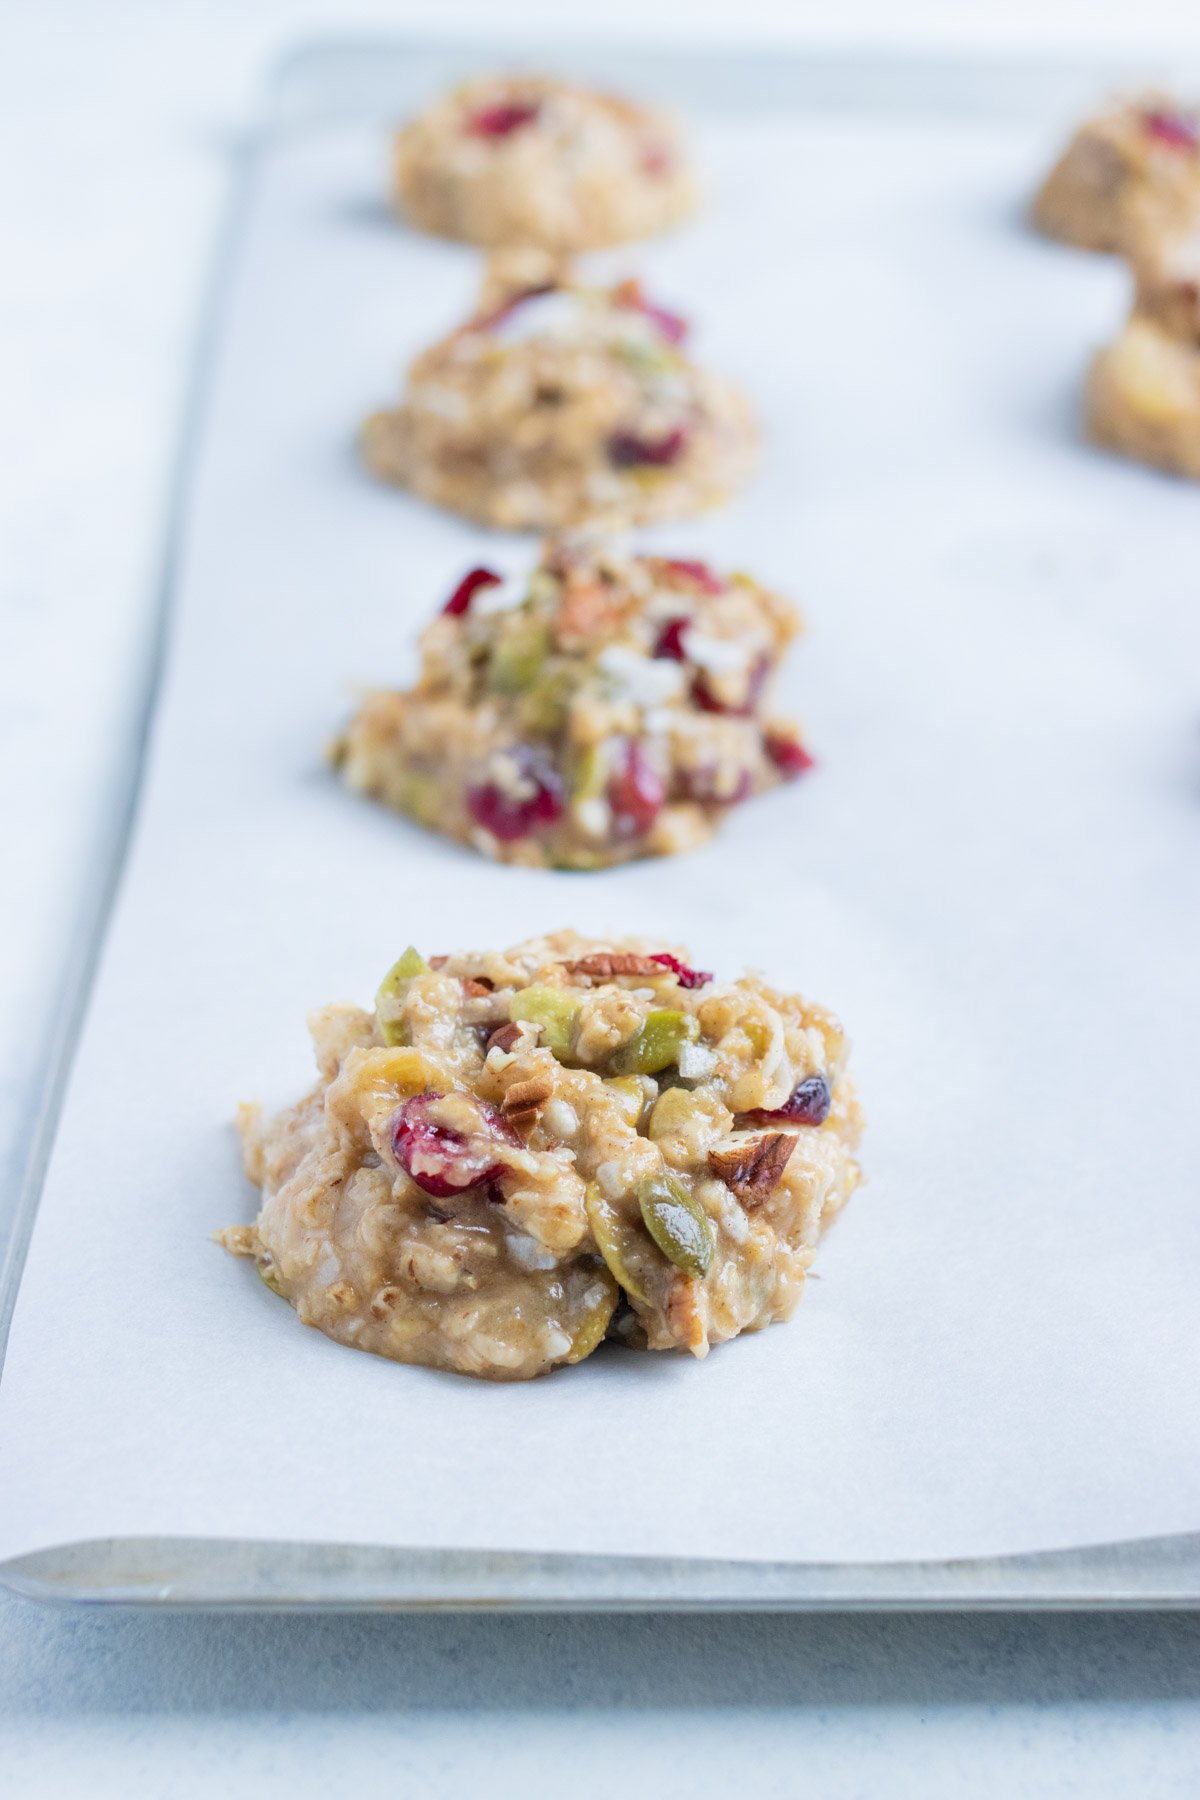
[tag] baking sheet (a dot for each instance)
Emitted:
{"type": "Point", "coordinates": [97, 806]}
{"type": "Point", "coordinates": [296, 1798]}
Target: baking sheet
{"type": "Point", "coordinates": [993, 878]}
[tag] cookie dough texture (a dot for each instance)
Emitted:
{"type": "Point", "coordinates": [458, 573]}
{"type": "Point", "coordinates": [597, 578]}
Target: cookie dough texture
{"type": "Point", "coordinates": [1143, 398]}
{"type": "Point", "coordinates": [1132, 171]}
{"type": "Point", "coordinates": [607, 706]}
{"type": "Point", "coordinates": [560, 404]}
{"type": "Point", "coordinates": [525, 160]}
{"type": "Point", "coordinates": [520, 1153]}
{"type": "Point", "coordinates": [1143, 392]}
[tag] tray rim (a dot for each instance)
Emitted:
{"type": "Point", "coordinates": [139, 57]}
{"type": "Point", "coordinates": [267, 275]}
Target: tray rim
{"type": "Point", "coordinates": [1160, 1573]}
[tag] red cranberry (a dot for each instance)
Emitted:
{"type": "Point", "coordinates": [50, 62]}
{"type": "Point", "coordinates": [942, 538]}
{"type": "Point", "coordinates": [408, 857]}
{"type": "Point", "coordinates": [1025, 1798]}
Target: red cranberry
{"type": "Point", "coordinates": [668, 324]}
{"type": "Point", "coordinates": [500, 120]}
{"type": "Point", "coordinates": [1174, 129]}
{"type": "Point", "coordinates": [489, 321]}
{"type": "Point", "coordinates": [657, 159]}
{"type": "Point", "coordinates": [509, 816]}
{"type": "Point", "coordinates": [709, 701]}
{"type": "Point", "coordinates": [698, 572]}
{"type": "Point", "coordinates": [686, 977]}
{"type": "Point", "coordinates": [635, 794]}
{"type": "Point", "coordinates": [628, 450]}
{"type": "Point", "coordinates": [670, 640]}
{"type": "Point", "coordinates": [807, 1104]}
{"type": "Point", "coordinates": [460, 600]}
{"type": "Point", "coordinates": [701, 786]}
{"type": "Point", "coordinates": [789, 756]}
{"type": "Point", "coordinates": [440, 1160]}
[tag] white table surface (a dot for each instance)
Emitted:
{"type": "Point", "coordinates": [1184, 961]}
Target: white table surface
{"type": "Point", "coordinates": [114, 123]}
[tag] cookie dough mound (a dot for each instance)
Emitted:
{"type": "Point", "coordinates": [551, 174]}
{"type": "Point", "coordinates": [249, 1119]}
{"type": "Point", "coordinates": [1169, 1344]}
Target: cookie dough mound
{"type": "Point", "coordinates": [1166, 271]}
{"type": "Point", "coordinates": [605, 707]}
{"type": "Point", "coordinates": [560, 404]}
{"type": "Point", "coordinates": [1134, 169]}
{"type": "Point", "coordinates": [1143, 398]}
{"type": "Point", "coordinates": [520, 1153]}
{"type": "Point", "coordinates": [525, 160]}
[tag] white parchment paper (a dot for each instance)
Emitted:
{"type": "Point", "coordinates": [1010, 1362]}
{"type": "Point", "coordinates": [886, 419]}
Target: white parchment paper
{"type": "Point", "coordinates": [994, 877]}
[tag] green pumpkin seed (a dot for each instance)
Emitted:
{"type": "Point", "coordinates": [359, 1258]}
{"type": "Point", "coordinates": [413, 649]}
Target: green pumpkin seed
{"type": "Point", "coordinates": [551, 1009]}
{"type": "Point", "coordinates": [678, 1224]}
{"type": "Point", "coordinates": [593, 1327]}
{"type": "Point", "coordinates": [673, 1112]}
{"type": "Point", "coordinates": [613, 1239]}
{"type": "Point", "coordinates": [657, 1043]}
{"type": "Point", "coordinates": [392, 988]}
{"type": "Point", "coordinates": [630, 1093]}
{"type": "Point", "coordinates": [519, 657]}
{"type": "Point", "coordinates": [542, 710]}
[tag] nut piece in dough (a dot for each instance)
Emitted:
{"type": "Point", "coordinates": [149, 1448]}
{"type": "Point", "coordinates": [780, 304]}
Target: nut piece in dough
{"type": "Point", "coordinates": [605, 707]}
{"type": "Point", "coordinates": [403, 1213]}
{"type": "Point", "coordinates": [562, 404]}
{"type": "Point", "coordinates": [1132, 170]}
{"type": "Point", "coordinates": [520, 159]}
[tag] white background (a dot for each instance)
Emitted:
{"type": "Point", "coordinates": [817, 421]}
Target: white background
{"type": "Point", "coordinates": [114, 122]}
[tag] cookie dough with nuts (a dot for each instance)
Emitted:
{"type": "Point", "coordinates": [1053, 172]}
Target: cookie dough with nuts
{"type": "Point", "coordinates": [521, 1153]}
{"type": "Point", "coordinates": [563, 404]}
{"type": "Point", "coordinates": [519, 159]}
{"type": "Point", "coordinates": [607, 706]}
{"type": "Point", "coordinates": [1130, 172]}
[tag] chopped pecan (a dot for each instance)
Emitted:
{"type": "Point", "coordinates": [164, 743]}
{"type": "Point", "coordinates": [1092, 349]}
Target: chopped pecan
{"type": "Point", "coordinates": [684, 1316]}
{"type": "Point", "coordinates": [524, 1121]}
{"type": "Point", "coordinates": [524, 1101]}
{"type": "Point", "coordinates": [751, 1170]}
{"type": "Point", "coordinates": [523, 1095]}
{"type": "Point", "coordinates": [476, 989]}
{"type": "Point", "coordinates": [503, 1038]}
{"type": "Point", "coordinates": [608, 965]}
{"type": "Point", "coordinates": [586, 611]}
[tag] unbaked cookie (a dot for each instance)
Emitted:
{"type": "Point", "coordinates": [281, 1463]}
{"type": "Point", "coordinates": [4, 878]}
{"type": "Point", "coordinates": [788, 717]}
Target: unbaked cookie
{"type": "Point", "coordinates": [1143, 397]}
{"type": "Point", "coordinates": [520, 1153]}
{"type": "Point", "coordinates": [1166, 273]}
{"type": "Point", "coordinates": [560, 404]}
{"type": "Point", "coordinates": [1133, 169]}
{"type": "Point", "coordinates": [518, 159]}
{"type": "Point", "coordinates": [607, 706]}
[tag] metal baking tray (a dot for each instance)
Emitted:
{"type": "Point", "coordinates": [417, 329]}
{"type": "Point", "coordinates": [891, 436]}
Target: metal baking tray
{"type": "Point", "coordinates": [313, 86]}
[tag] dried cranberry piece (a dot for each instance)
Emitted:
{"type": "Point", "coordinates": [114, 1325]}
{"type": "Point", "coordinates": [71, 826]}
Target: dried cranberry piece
{"type": "Point", "coordinates": [511, 816]}
{"type": "Point", "coordinates": [1174, 129]}
{"type": "Point", "coordinates": [440, 1160]}
{"type": "Point", "coordinates": [670, 640]}
{"type": "Point", "coordinates": [635, 794]}
{"type": "Point", "coordinates": [686, 977]}
{"type": "Point", "coordinates": [669, 325]}
{"type": "Point", "coordinates": [628, 450]}
{"type": "Point", "coordinates": [657, 159]}
{"type": "Point", "coordinates": [504, 117]}
{"type": "Point", "coordinates": [698, 572]}
{"type": "Point", "coordinates": [789, 756]}
{"type": "Point", "coordinates": [460, 600]}
{"type": "Point", "coordinates": [701, 785]}
{"type": "Point", "coordinates": [709, 701]}
{"type": "Point", "coordinates": [807, 1104]}
{"type": "Point", "coordinates": [489, 321]}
